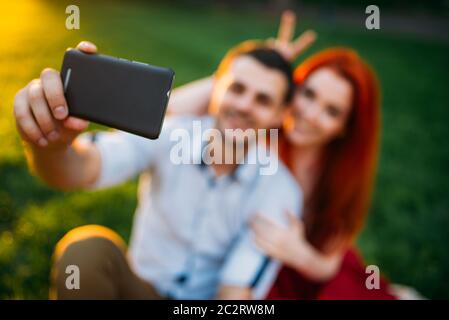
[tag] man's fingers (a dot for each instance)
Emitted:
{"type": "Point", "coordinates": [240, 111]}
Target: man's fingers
{"type": "Point", "coordinates": [287, 26]}
{"type": "Point", "coordinates": [76, 124]}
{"type": "Point", "coordinates": [54, 92]}
{"type": "Point", "coordinates": [304, 41]}
{"type": "Point", "coordinates": [41, 111]}
{"type": "Point", "coordinates": [25, 120]}
{"type": "Point", "coordinates": [87, 47]}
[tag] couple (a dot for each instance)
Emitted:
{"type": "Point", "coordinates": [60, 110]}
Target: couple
{"type": "Point", "coordinates": [207, 231]}
{"type": "Point", "coordinates": [329, 141]}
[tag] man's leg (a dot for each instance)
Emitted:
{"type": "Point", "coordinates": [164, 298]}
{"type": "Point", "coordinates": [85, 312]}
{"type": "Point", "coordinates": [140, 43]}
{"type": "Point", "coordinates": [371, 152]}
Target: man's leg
{"type": "Point", "coordinates": [99, 253]}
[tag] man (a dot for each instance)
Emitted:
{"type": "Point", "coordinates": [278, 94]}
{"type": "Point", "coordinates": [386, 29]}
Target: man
{"type": "Point", "coordinates": [190, 238]}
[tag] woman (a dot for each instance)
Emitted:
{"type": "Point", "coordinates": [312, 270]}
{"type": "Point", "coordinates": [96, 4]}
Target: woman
{"type": "Point", "coordinates": [330, 143]}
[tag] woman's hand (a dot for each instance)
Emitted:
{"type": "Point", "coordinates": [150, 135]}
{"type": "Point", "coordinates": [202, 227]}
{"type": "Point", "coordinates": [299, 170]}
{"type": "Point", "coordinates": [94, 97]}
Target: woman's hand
{"type": "Point", "coordinates": [290, 49]}
{"type": "Point", "coordinates": [287, 244]}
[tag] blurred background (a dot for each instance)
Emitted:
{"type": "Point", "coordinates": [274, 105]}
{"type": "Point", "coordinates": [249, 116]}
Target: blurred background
{"type": "Point", "coordinates": [407, 231]}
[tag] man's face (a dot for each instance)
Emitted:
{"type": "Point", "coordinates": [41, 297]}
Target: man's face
{"type": "Point", "coordinates": [249, 95]}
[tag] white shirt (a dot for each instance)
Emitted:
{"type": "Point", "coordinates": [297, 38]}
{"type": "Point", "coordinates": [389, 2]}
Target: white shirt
{"type": "Point", "coordinates": [190, 231]}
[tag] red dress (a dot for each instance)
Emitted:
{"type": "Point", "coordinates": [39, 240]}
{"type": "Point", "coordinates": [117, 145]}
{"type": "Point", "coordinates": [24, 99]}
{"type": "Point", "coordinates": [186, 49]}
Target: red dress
{"type": "Point", "coordinates": [348, 284]}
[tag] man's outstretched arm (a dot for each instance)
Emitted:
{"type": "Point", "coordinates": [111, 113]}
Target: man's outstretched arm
{"type": "Point", "coordinates": [49, 133]}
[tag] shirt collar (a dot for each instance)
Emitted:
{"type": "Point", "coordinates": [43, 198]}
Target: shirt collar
{"type": "Point", "coordinates": [244, 172]}
{"type": "Point", "coordinates": [247, 170]}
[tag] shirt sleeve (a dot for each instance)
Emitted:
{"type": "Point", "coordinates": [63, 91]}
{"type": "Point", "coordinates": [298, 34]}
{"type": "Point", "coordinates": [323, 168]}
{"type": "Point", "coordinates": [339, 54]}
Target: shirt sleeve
{"type": "Point", "coordinates": [246, 265]}
{"type": "Point", "coordinates": [125, 155]}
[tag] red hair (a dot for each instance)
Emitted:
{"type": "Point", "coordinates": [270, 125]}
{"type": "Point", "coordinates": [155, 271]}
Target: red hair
{"type": "Point", "coordinates": [340, 200]}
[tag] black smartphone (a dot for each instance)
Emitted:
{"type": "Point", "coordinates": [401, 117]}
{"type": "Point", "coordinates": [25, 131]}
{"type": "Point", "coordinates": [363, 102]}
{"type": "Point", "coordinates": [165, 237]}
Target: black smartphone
{"type": "Point", "coordinates": [126, 95]}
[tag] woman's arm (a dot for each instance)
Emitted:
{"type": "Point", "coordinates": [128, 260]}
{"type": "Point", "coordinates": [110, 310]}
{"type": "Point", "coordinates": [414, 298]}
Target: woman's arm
{"type": "Point", "coordinates": [192, 98]}
{"type": "Point", "coordinates": [317, 266]}
{"type": "Point", "coordinates": [288, 244]}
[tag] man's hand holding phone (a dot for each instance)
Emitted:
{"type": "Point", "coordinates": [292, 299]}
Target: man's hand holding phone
{"type": "Point", "coordinates": [126, 95]}
{"type": "Point", "coordinates": [43, 121]}
{"type": "Point", "coordinates": [41, 110]}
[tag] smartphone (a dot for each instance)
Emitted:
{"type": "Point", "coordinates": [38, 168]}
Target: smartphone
{"type": "Point", "coordinates": [126, 95]}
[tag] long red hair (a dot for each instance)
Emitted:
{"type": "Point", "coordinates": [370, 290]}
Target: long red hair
{"type": "Point", "coordinates": [336, 211]}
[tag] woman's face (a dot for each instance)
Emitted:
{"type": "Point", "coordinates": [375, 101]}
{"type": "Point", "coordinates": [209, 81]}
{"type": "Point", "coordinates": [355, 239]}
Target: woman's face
{"type": "Point", "coordinates": [321, 107]}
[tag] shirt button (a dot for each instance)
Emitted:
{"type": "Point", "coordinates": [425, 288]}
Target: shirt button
{"type": "Point", "coordinates": [211, 182]}
{"type": "Point", "coordinates": [181, 279]}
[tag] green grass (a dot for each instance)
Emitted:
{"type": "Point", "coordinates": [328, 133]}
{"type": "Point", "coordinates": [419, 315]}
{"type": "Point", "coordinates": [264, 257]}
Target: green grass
{"type": "Point", "coordinates": [406, 234]}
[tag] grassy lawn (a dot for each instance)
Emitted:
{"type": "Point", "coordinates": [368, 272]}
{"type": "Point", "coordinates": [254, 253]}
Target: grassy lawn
{"type": "Point", "coordinates": [407, 231]}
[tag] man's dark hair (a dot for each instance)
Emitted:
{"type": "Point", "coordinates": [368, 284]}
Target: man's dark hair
{"type": "Point", "coordinates": [266, 56]}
